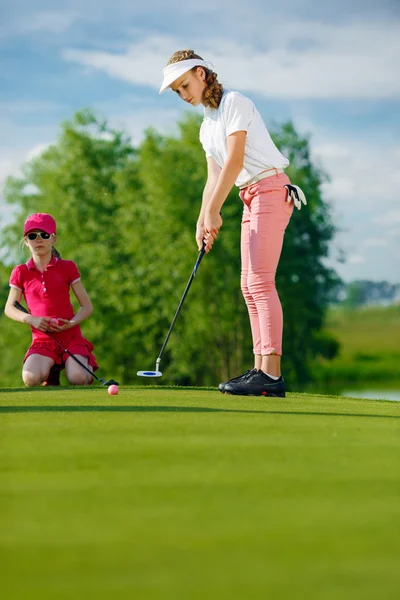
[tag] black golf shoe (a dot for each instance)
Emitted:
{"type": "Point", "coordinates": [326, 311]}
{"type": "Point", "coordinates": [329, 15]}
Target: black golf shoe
{"type": "Point", "coordinates": [257, 384]}
{"type": "Point", "coordinates": [238, 379]}
{"type": "Point", "coordinates": [53, 377]}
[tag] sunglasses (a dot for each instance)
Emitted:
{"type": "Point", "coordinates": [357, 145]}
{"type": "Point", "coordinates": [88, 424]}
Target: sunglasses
{"type": "Point", "coordinates": [43, 235]}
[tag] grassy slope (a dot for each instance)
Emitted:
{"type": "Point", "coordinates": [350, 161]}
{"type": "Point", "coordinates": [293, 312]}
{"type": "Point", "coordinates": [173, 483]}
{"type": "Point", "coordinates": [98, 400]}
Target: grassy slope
{"type": "Point", "coordinates": [370, 344]}
{"type": "Point", "coordinates": [173, 493]}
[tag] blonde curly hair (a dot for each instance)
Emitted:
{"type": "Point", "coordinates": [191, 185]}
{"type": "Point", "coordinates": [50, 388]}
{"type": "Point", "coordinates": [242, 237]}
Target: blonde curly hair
{"type": "Point", "coordinates": [214, 90]}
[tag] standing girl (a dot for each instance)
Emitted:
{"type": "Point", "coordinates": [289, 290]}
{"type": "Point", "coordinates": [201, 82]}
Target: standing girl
{"type": "Point", "coordinates": [45, 282]}
{"type": "Point", "coordinates": [239, 150]}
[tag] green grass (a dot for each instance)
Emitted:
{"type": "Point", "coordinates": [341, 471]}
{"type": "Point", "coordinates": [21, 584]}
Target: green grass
{"type": "Point", "coordinates": [189, 494]}
{"type": "Point", "coordinates": [370, 345]}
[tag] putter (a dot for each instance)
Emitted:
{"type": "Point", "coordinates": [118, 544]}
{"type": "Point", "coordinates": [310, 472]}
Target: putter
{"type": "Point", "coordinates": [60, 345]}
{"type": "Point", "coordinates": [157, 372]}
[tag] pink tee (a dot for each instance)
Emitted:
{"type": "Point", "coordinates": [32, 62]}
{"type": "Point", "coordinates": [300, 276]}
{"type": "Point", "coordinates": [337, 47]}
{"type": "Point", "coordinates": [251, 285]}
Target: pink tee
{"type": "Point", "coordinates": [47, 294]}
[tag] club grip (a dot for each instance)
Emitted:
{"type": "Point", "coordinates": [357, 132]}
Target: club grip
{"type": "Point", "coordinates": [20, 307]}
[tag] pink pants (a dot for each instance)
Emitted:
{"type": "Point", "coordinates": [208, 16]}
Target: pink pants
{"type": "Point", "coordinates": [266, 214]}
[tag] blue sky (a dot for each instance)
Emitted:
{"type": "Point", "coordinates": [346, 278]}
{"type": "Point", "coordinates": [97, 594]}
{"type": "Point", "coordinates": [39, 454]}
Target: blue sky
{"type": "Point", "coordinates": [331, 67]}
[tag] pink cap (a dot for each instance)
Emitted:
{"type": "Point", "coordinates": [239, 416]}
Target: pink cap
{"type": "Point", "coordinates": [41, 221]}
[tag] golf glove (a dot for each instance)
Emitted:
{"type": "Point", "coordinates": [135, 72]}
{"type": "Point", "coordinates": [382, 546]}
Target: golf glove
{"type": "Point", "coordinates": [296, 194]}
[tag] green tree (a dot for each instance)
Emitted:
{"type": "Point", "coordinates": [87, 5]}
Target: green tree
{"type": "Point", "coordinates": [14, 340]}
{"type": "Point", "coordinates": [127, 217]}
{"type": "Point", "coordinates": [83, 181]}
{"type": "Point", "coordinates": [212, 336]}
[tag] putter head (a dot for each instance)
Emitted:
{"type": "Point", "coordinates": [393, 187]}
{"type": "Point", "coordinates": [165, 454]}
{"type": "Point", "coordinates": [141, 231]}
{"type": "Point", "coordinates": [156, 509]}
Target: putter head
{"type": "Point", "coordinates": [149, 373]}
{"type": "Point", "coordinates": [111, 382]}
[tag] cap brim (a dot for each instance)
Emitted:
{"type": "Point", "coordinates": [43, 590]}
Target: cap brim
{"type": "Point", "coordinates": [171, 77]}
{"type": "Point", "coordinates": [173, 71]}
{"type": "Point", "coordinates": [38, 228]}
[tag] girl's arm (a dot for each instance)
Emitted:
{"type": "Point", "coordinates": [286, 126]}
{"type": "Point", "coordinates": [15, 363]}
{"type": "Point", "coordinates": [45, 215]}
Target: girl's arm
{"type": "Point", "coordinates": [213, 172]}
{"type": "Point", "coordinates": [83, 313]}
{"type": "Point", "coordinates": [86, 307]}
{"type": "Point", "coordinates": [13, 313]}
{"type": "Point", "coordinates": [15, 295]}
{"type": "Point", "coordinates": [226, 180]}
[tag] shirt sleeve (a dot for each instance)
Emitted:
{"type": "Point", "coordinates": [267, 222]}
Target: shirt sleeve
{"type": "Point", "coordinates": [73, 272]}
{"type": "Point", "coordinates": [203, 143]}
{"type": "Point", "coordinates": [16, 278]}
{"type": "Point", "coordinates": [239, 112]}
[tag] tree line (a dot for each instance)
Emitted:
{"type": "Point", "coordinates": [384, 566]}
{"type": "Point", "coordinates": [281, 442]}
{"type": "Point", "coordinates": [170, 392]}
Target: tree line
{"type": "Point", "coordinates": [126, 215]}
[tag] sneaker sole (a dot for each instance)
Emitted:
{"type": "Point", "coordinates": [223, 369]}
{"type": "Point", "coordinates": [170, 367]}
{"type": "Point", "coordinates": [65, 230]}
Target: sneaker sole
{"type": "Point", "coordinates": [264, 395]}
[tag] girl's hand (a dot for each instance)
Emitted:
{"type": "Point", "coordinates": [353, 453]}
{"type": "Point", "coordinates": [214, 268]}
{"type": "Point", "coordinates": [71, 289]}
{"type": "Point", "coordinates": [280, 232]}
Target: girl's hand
{"type": "Point", "coordinates": [60, 325]}
{"type": "Point", "coordinates": [212, 225]}
{"type": "Point", "coordinates": [203, 238]}
{"type": "Point", "coordinates": [200, 234]}
{"type": "Point", "coordinates": [40, 323]}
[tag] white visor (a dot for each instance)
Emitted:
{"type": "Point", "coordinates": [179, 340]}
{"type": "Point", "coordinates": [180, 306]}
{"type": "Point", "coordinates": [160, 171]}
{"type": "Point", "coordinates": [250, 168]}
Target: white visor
{"type": "Point", "coordinates": [176, 70]}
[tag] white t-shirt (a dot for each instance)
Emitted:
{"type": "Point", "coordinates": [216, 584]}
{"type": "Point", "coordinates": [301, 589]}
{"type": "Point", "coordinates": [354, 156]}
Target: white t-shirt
{"type": "Point", "coordinates": [238, 113]}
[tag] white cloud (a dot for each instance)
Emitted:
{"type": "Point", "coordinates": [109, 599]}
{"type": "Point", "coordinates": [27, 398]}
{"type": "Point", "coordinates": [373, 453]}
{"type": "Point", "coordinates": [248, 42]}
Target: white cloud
{"type": "Point", "coordinates": [356, 259]}
{"type": "Point", "coordinates": [389, 218]}
{"type": "Point", "coordinates": [141, 64]}
{"type": "Point", "coordinates": [52, 21]}
{"type": "Point", "coordinates": [361, 177]}
{"type": "Point", "coordinates": [29, 106]}
{"type": "Point", "coordinates": [308, 59]}
{"type": "Point", "coordinates": [134, 123]}
{"type": "Point", "coordinates": [375, 243]}
{"type": "Point", "coordinates": [39, 21]}
{"type": "Point", "coordinates": [393, 232]}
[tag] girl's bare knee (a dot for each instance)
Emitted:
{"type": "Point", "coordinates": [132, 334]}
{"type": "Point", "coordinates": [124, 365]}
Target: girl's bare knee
{"type": "Point", "coordinates": [79, 378]}
{"type": "Point", "coordinates": [31, 379]}
{"type": "Point", "coordinates": [77, 375]}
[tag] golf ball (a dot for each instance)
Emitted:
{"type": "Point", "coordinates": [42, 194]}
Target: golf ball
{"type": "Point", "coordinates": [54, 321]}
{"type": "Point", "coordinates": [113, 390]}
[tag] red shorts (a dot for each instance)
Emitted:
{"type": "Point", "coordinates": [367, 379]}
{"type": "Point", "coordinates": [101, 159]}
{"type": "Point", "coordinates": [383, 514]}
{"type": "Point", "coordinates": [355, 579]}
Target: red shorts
{"type": "Point", "coordinates": [77, 344]}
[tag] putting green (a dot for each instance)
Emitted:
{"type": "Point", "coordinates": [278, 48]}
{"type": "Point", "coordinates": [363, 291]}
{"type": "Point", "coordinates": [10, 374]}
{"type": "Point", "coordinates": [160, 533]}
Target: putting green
{"type": "Point", "coordinates": [186, 493]}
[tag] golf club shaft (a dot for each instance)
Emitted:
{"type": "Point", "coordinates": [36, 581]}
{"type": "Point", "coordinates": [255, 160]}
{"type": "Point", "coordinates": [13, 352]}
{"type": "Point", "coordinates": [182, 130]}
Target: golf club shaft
{"type": "Point", "coordinates": [189, 283]}
{"type": "Point", "coordinates": [60, 345]}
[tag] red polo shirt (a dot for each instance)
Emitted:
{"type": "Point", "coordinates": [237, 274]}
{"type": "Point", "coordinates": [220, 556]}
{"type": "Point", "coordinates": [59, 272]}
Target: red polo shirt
{"type": "Point", "coordinates": [47, 293]}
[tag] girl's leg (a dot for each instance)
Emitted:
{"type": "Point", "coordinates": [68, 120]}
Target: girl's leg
{"type": "Point", "coordinates": [251, 305]}
{"type": "Point", "coordinates": [75, 374]}
{"type": "Point", "coordinates": [36, 369]}
{"type": "Point", "coordinates": [269, 216]}
{"type": "Point", "coordinates": [271, 364]}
